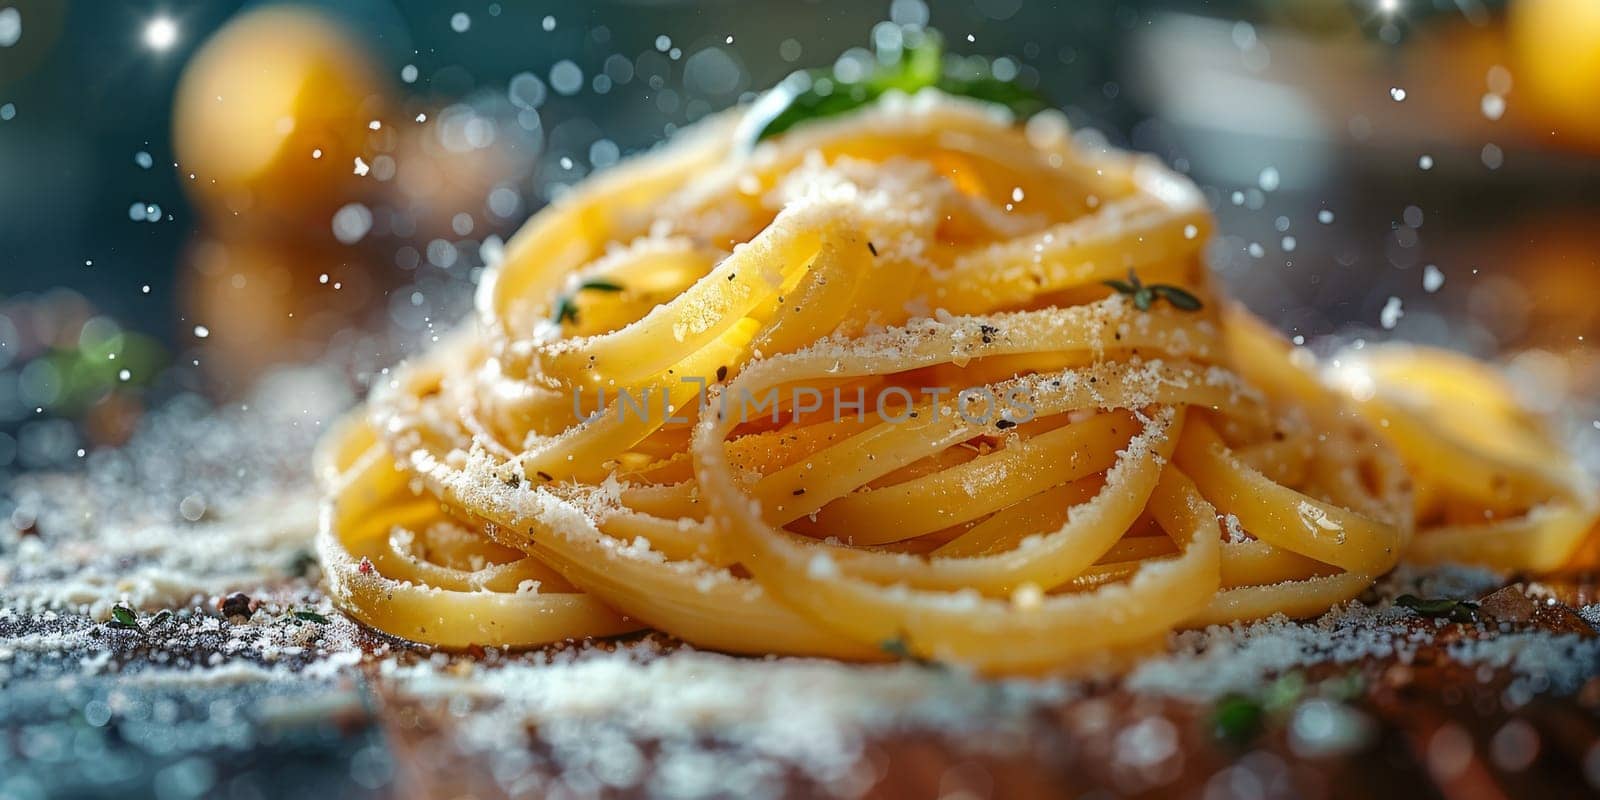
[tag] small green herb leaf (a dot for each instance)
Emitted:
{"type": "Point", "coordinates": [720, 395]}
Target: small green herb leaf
{"type": "Point", "coordinates": [566, 307]}
{"type": "Point", "coordinates": [161, 617]}
{"type": "Point", "coordinates": [309, 616]}
{"type": "Point", "coordinates": [1344, 688]}
{"type": "Point", "coordinates": [1237, 719]}
{"type": "Point", "coordinates": [1284, 693]}
{"type": "Point", "coordinates": [565, 311]}
{"type": "Point", "coordinates": [1179, 298]}
{"type": "Point", "coordinates": [123, 617]}
{"type": "Point", "coordinates": [1440, 608]}
{"type": "Point", "coordinates": [901, 649]}
{"type": "Point", "coordinates": [1122, 287]}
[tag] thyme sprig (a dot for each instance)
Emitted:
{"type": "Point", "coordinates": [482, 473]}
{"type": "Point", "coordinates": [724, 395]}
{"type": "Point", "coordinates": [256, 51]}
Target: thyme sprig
{"type": "Point", "coordinates": [1145, 295]}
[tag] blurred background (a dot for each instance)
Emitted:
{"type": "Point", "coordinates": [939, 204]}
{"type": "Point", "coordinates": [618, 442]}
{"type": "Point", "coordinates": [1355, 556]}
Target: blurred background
{"type": "Point", "coordinates": [194, 192]}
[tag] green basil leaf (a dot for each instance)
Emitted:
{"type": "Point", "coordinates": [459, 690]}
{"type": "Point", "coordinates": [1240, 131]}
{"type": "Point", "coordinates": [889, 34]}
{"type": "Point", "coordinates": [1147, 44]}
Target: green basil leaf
{"type": "Point", "coordinates": [817, 94]}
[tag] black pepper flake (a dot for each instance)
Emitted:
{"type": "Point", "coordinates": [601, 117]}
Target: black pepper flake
{"type": "Point", "coordinates": [798, 492]}
{"type": "Point", "coordinates": [1004, 424]}
{"type": "Point", "coordinates": [236, 605]}
{"type": "Point", "coordinates": [988, 332]}
{"type": "Point", "coordinates": [545, 476]}
{"type": "Point", "coordinates": [722, 373]}
{"type": "Point", "coordinates": [873, 248]}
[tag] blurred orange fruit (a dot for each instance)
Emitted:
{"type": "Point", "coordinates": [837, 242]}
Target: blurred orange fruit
{"type": "Point", "coordinates": [1556, 47]}
{"type": "Point", "coordinates": [270, 116]}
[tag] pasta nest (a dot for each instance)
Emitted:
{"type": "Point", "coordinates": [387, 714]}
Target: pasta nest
{"type": "Point", "coordinates": [917, 381]}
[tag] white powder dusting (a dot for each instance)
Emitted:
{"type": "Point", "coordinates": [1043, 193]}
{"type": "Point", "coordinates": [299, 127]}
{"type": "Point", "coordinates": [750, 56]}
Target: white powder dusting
{"type": "Point", "coordinates": [718, 724]}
